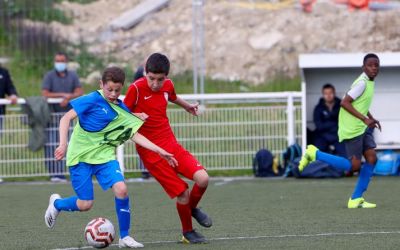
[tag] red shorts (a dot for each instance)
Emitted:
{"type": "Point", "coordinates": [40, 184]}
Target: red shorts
{"type": "Point", "coordinates": [167, 175]}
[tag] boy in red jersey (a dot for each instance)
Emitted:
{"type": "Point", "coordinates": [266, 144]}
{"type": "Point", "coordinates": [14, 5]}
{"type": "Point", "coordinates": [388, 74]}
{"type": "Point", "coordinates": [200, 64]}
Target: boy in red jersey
{"type": "Point", "coordinates": [148, 97]}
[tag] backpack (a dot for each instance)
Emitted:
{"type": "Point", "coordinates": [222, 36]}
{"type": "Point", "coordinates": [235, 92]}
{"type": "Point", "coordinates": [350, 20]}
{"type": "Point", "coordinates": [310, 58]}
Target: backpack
{"type": "Point", "coordinates": [263, 163]}
{"type": "Point", "coordinates": [387, 164]}
{"type": "Point", "coordinates": [316, 169]}
{"type": "Point", "coordinates": [290, 157]}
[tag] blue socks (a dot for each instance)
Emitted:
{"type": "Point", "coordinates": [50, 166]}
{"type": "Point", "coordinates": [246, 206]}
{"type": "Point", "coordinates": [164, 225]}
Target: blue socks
{"type": "Point", "coordinates": [364, 178]}
{"type": "Point", "coordinates": [124, 216]}
{"type": "Point", "coordinates": [67, 204]}
{"type": "Point", "coordinates": [121, 207]}
{"type": "Point", "coordinates": [337, 162]}
{"type": "Point", "coordinates": [342, 163]}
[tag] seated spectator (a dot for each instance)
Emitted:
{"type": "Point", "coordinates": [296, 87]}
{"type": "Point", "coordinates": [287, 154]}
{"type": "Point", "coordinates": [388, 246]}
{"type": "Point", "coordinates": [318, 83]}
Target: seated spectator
{"type": "Point", "coordinates": [326, 115]}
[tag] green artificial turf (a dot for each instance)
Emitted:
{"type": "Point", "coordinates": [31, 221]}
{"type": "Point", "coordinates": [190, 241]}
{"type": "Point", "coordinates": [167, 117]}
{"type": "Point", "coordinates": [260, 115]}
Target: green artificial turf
{"type": "Point", "coordinates": [247, 214]}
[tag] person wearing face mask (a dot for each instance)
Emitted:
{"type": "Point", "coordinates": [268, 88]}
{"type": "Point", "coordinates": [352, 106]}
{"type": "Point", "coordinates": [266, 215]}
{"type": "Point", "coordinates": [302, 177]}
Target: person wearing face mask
{"type": "Point", "coordinates": [58, 83]}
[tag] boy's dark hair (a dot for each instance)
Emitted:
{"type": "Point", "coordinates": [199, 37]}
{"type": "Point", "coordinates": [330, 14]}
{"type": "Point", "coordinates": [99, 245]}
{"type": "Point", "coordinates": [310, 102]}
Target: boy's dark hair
{"type": "Point", "coordinates": [114, 74]}
{"type": "Point", "coordinates": [328, 86]}
{"type": "Point", "coordinates": [369, 55]}
{"type": "Point", "coordinates": [157, 63]}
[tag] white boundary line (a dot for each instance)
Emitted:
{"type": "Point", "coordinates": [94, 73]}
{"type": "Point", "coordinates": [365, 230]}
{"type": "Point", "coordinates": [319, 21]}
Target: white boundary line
{"type": "Point", "coordinates": [259, 237]}
{"type": "Point", "coordinates": [137, 180]}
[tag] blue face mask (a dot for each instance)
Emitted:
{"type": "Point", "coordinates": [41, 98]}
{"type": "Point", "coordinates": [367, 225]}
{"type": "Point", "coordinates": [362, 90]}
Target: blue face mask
{"type": "Point", "coordinates": [60, 66]}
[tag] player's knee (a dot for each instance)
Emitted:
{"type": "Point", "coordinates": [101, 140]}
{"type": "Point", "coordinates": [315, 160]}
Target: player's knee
{"type": "Point", "coordinates": [201, 178]}
{"type": "Point", "coordinates": [355, 164]}
{"type": "Point", "coordinates": [370, 156]}
{"type": "Point", "coordinates": [183, 198]}
{"type": "Point", "coordinates": [85, 205]}
{"type": "Point", "coordinates": [371, 159]}
{"type": "Point", "coordinates": [203, 182]}
{"type": "Point", "coordinates": [120, 190]}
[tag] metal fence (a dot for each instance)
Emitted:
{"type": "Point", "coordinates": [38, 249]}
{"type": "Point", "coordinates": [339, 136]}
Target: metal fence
{"type": "Point", "coordinates": [224, 137]}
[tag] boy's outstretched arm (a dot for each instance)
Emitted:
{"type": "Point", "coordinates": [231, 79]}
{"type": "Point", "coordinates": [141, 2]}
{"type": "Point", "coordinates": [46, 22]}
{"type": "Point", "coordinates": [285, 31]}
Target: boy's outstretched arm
{"type": "Point", "coordinates": [348, 106]}
{"type": "Point", "coordinates": [146, 143]}
{"type": "Point", "coordinates": [189, 107]}
{"type": "Point", "coordinates": [63, 130]}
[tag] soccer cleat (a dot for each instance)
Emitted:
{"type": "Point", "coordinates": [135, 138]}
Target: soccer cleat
{"type": "Point", "coordinates": [360, 203]}
{"type": "Point", "coordinates": [129, 242]}
{"type": "Point", "coordinates": [51, 212]}
{"type": "Point", "coordinates": [309, 156]}
{"type": "Point", "coordinates": [312, 152]}
{"type": "Point", "coordinates": [201, 217]}
{"type": "Point", "coordinates": [193, 237]}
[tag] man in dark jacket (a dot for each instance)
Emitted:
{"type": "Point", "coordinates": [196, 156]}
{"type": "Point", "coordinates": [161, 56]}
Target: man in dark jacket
{"type": "Point", "coordinates": [326, 115]}
{"type": "Point", "coordinates": [6, 89]}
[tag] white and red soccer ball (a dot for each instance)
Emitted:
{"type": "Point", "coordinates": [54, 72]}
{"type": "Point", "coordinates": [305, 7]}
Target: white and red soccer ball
{"type": "Point", "coordinates": [99, 233]}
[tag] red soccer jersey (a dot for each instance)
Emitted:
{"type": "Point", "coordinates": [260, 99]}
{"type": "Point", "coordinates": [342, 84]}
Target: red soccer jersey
{"type": "Point", "coordinates": [140, 98]}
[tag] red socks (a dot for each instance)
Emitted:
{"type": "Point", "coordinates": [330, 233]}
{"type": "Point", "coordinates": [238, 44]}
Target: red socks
{"type": "Point", "coordinates": [185, 214]}
{"type": "Point", "coordinates": [185, 210]}
{"type": "Point", "coordinates": [195, 195]}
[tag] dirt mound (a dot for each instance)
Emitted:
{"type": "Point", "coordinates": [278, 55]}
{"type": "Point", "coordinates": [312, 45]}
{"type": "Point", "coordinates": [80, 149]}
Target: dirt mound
{"type": "Point", "coordinates": [248, 44]}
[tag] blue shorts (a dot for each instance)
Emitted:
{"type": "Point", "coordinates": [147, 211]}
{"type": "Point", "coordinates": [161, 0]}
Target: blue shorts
{"type": "Point", "coordinates": [107, 174]}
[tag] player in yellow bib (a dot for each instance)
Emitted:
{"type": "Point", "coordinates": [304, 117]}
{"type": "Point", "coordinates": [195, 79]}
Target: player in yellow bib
{"type": "Point", "coordinates": [104, 123]}
{"type": "Point", "coordinates": [356, 125]}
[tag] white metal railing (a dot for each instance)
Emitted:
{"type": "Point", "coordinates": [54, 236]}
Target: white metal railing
{"type": "Point", "coordinates": [226, 136]}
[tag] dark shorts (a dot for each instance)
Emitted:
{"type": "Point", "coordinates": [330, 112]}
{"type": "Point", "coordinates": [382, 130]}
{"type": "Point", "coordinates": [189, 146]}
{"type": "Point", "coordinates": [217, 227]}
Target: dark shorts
{"type": "Point", "coordinates": [358, 145]}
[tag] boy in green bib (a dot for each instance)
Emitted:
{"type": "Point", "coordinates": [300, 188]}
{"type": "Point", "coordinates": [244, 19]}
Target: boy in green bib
{"type": "Point", "coordinates": [356, 125]}
{"type": "Point", "coordinates": [104, 123]}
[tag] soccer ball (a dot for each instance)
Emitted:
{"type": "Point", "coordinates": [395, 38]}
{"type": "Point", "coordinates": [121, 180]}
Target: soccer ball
{"type": "Point", "coordinates": [99, 233]}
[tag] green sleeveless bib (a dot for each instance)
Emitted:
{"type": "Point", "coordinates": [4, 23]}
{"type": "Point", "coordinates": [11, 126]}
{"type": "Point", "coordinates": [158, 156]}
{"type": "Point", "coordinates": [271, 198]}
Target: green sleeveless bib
{"type": "Point", "coordinates": [99, 147]}
{"type": "Point", "coordinates": [349, 125]}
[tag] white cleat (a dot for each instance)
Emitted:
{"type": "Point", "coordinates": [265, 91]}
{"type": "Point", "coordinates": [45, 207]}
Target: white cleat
{"type": "Point", "coordinates": [51, 212]}
{"type": "Point", "coordinates": [129, 242]}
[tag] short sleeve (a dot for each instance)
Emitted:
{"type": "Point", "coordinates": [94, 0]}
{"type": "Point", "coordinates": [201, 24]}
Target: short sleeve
{"type": "Point", "coordinates": [131, 97]}
{"type": "Point", "coordinates": [82, 104]}
{"type": "Point", "coordinates": [172, 94]}
{"type": "Point", "coordinates": [46, 84]}
{"type": "Point", "coordinates": [356, 91]}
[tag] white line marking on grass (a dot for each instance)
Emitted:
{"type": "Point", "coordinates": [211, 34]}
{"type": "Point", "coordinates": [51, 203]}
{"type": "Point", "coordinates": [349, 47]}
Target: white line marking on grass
{"type": "Point", "coordinates": [258, 237]}
{"type": "Point", "coordinates": [223, 182]}
{"type": "Point", "coordinates": [130, 180]}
